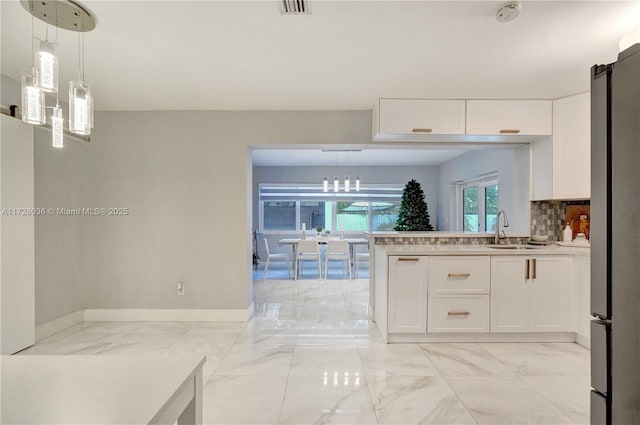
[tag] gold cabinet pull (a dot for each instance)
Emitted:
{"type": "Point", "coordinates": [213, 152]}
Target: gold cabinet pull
{"type": "Point", "coordinates": [510, 131]}
{"type": "Point", "coordinates": [422, 130]}
{"type": "Point", "coordinates": [526, 269]}
{"type": "Point", "coordinates": [459, 275]}
{"type": "Point", "coordinates": [533, 276]}
{"type": "Point", "coordinates": [408, 259]}
{"type": "Point", "coordinates": [459, 313]}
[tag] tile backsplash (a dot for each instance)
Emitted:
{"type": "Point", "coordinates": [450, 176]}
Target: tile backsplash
{"type": "Point", "coordinates": [548, 217]}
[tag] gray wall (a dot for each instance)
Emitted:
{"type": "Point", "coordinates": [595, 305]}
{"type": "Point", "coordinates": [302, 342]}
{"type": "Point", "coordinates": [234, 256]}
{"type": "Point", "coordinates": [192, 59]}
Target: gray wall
{"type": "Point", "coordinates": [513, 177]}
{"type": "Point", "coordinates": [61, 249]}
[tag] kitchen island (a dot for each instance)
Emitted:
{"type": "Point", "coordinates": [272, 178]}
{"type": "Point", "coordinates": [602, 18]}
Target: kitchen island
{"type": "Point", "coordinates": [444, 291]}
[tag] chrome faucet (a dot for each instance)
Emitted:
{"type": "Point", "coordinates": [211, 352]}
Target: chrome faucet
{"type": "Point", "coordinates": [504, 224]}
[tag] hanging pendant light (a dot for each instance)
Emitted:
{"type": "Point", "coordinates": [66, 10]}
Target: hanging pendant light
{"type": "Point", "coordinates": [57, 130]}
{"type": "Point", "coordinates": [336, 184]}
{"type": "Point", "coordinates": [80, 108]}
{"type": "Point", "coordinates": [71, 16]}
{"type": "Point", "coordinates": [347, 184]}
{"type": "Point", "coordinates": [33, 103]}
{"type": "Point", "coordinates": [357, 183]}
{"type": "Point", "coordinates": [80, 102]}
{"type": "Point", "coordinates": [325, 184]}
{"type": "Point", "coordinates": [46, 65]}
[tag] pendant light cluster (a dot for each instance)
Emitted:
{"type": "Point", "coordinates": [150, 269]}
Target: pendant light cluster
{"type": "Point", "coordinates": [336, 179]}
{"type": "Point", "coordinates": [42, 77]}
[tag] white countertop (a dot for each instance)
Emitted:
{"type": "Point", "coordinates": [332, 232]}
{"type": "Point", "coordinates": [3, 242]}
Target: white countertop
{"type": "Point", "coordinates": [91, 389]}
{"type": "Point", "coordinates": [478, 250]}
{"type": "Point", "coordinates": [442, 234]}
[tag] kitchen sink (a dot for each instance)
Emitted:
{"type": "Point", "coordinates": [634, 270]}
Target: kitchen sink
{"type": "Point", "coordinates": [508, 246]}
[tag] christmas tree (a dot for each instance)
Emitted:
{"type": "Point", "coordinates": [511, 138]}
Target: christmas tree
{"type": "Point", "coordinates": [414, 214]}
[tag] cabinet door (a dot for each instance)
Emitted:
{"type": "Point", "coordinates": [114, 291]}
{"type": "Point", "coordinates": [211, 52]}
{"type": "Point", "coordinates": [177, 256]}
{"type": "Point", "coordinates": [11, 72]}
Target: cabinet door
{"type": "Point", "coordinates": [572, 147]}
{"type": "Point", "coordinates": [509, 301]}
{"type": "Point", "coordinates": [541, 152]}
{"type": "Point", "coordinates": [549, 294]}
{"type": "Point", "coordinates": [421, 116]}
{"type": "Point", "coordinates": [407, 294]}
{"type": "Point", "coordinates": [509, 117]}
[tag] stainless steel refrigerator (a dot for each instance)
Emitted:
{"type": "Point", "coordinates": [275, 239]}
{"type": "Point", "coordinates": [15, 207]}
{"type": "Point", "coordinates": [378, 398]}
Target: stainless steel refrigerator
{"type": "Point", "coordinates": [615, 232]}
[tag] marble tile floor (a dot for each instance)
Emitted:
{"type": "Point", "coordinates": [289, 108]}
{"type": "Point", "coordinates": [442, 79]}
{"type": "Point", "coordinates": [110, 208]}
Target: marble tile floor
{"type": "Point", "coordinates": [310, 356]}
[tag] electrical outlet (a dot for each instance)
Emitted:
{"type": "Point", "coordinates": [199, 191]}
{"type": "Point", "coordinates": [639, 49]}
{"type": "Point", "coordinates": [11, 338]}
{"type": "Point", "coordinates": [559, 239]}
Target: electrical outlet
{"type": "Point", "coordinates": [180, 288]}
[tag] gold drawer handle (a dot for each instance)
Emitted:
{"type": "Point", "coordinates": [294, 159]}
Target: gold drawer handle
{"type": "Point", "coordinates": [459, 313]}
{"type": "Point", "coordinates": [459, 275]}
{"type": "Point", "coordinates": [408, 259]}
{"type": "Point", "coordinates": [422, 130]}
{"type": "Point", "coordinates": [513, 131]}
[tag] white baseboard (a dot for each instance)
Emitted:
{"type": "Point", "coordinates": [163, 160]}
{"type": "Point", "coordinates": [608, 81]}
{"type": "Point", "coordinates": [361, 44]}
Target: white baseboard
{"type": "Point", "coordinates": [484, 337]}
{"type": "Point", "coordinates": [583, 340]}
{"type": "Point", "coordinates": [53, 327]}
{"type": "Point", "coordinates": [167, 315]}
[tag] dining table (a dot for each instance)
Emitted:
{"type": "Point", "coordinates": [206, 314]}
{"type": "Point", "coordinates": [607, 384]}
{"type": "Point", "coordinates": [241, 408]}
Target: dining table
{"type": "Point", "coordinates": [323, 240]}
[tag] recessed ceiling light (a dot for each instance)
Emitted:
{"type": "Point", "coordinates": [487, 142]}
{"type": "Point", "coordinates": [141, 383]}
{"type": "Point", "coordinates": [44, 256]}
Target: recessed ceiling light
{"type": "Point", "coordinates": [508, 12]}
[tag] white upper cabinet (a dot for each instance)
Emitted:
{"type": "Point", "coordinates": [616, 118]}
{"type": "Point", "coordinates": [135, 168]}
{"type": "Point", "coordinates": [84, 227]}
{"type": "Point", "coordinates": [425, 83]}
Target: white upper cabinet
{"type": "Point", "coordinates": [572, 147]}
{"type": "Point", "coordinates": [509, 117]}
{"type": "Point", "coordinates": [561, 165]}
{"type": "Point", "coordinates": [398, 117]}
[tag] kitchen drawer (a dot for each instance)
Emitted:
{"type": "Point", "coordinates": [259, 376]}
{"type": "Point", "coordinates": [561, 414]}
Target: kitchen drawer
{"type": "Point", "coordinates": [458, 313]}
{"type": "Point", "coordinates": [458, 275]}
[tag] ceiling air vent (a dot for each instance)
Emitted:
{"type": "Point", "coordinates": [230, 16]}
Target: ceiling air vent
{"type": "Point", "coordinates": [295, 7]}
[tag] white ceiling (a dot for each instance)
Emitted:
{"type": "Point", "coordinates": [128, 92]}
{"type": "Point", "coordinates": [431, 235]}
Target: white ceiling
{"type": "Point", "coordinates": [152, 55]}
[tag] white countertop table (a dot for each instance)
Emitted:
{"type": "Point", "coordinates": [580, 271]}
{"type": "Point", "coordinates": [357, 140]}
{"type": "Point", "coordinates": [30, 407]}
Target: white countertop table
{"type": "Point", "coordinates": [101, 389]}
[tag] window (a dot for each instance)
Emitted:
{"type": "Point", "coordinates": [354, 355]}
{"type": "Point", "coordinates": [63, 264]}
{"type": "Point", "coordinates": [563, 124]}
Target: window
{"type": "Point", "coordinates": [279, 215]}
{"type": "Point", "coordinates": [285, 207]}
{"type": "Point", "coordinates": [479, 204]}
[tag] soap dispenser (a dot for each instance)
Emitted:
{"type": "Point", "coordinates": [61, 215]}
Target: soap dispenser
{"type": "Point", "coordinates": [567, 234]}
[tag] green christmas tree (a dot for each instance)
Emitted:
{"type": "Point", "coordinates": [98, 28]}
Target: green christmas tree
{"type": "Point", "coordinates": [414, 214]}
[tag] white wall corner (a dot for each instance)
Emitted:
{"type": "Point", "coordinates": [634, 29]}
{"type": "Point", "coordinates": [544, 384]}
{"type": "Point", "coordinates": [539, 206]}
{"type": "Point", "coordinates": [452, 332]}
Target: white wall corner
{"type": "Point", "coordinates": [168, 315]}
{"type": "Point", "coordinates": [58, 325]}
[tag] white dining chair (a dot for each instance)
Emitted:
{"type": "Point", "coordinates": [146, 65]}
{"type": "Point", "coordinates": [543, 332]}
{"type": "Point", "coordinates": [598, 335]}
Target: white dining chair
{"type": "Point", "coordinates": [337, 250]}
{"type": "Point", "coordinates": [361, 257]}
{"type": "Point", "coordinates": [275, 257]}
{"type": "Point", "coordinates": [307, 250]}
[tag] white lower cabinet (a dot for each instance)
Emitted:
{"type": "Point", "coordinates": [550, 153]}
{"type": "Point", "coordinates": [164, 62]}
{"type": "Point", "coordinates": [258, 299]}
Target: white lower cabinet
{"type": "Point", "coordinates": [530, 294]}
{"type": "Point", "coordinates": [407, 302]}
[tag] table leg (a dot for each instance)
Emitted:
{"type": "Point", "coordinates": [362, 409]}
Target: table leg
{"type": "Point", "coordinates": [192, 414]}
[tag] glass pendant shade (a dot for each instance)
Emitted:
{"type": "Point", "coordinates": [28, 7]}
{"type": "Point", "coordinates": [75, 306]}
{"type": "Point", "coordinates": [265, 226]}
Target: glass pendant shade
{"type": "Point", "coordinates": [358, 184]}
{"type": "Point", "coordinates": [57, 130]}
{"type": "Point", "coordinates": [33, 104]}
{"type": "Point", "coordinates": [325, 184]}
{"type": "Point", "coordinates": [80, 108]}
{"type": "Point", "coordinates": [347, 184]}
{"type": "Point", "coordinates": [336, 184]}
{"type": "Point", "coordinates": [46, 65]}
